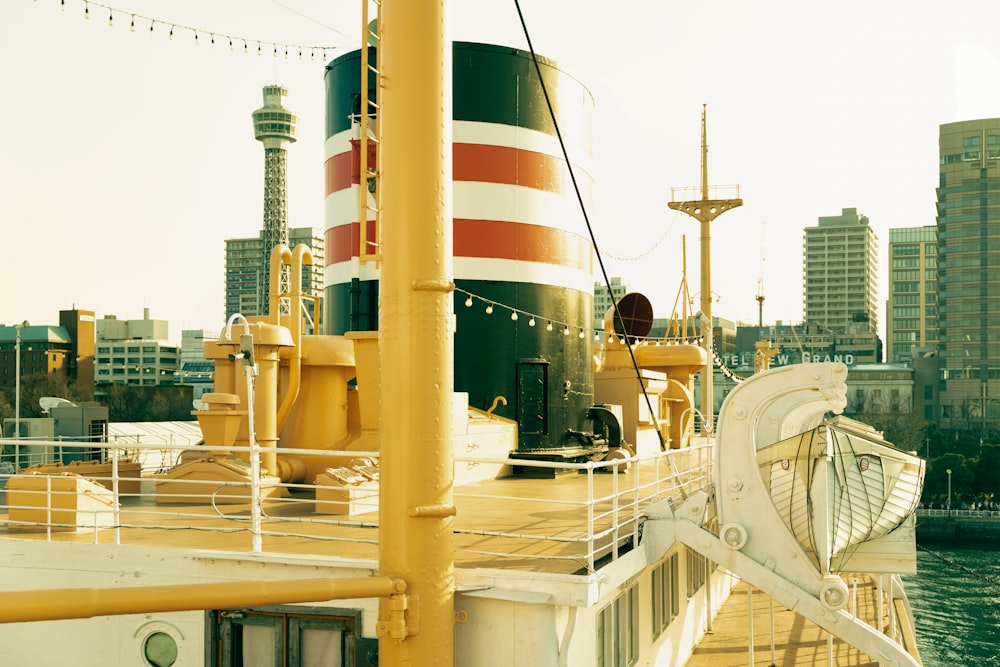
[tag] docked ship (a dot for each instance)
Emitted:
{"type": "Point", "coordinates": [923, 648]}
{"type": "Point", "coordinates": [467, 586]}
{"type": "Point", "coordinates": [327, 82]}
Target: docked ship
{"type": "Point", "coordinates": [460, 470]}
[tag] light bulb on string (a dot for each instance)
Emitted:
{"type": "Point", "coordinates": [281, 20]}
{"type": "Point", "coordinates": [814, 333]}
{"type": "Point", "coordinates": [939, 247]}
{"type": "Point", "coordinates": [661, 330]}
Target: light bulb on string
{"type": "Point", "coordinates": [531, 322]}
{"type": "Point", "coordinates": [86, 11]}
{"type": "Point", "coordinates": [171, 35]}
{"type": "Point", "coordinates": [111, 19]}
{"type": "Point", "coordinates": [548, 327]}
{"type": "Point", "coordinates": [132, 25]}
{"type": "Point", "coordinates": [230, 43]}
{"type": "Point", "coordinates": [196, 37]}
{"type": "Point", "coordinates": [566, 331]}
{"type": "Point", "coordinates": [468, 302]}
{"type": "Point", "coordinates": [62, 5]}
{"type": "Point", "coordinates": [581, 333]}
{"type": "Point", "coordinates": [489, 309]}
{"type": "Point", "coordinates": [513, 315]}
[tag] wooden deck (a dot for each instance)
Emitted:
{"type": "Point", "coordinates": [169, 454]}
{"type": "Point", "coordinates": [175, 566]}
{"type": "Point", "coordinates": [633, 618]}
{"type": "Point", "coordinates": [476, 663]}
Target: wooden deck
{"type": "Point", "coordinates": [563, 524]}
{"type": "Point", "coordinates": [797, 642]}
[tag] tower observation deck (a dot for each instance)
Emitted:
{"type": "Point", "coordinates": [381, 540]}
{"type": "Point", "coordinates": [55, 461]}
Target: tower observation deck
{"type": "Point", "coordinates": [274, 126]}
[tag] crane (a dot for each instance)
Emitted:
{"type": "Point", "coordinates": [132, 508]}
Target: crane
{"type": "Point", "coordinates": [760, 277]}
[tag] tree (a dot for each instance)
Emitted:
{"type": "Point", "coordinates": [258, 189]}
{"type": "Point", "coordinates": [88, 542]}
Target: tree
{"type": "Point", "coordinates": [6, 407]}
{"type": "Point", "coordinates": [902, 427]}
{"type": "Point", "coordinates": [936, 479]}
{"type": "Point", "coordinates": [987, 470]}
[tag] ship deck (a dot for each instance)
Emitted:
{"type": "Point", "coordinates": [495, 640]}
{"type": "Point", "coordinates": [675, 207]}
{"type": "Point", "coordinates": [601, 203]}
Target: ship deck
{"type": "Point", "coordinates": [797, 641]}
{"type": "Point", "coordinates": [565, 523]}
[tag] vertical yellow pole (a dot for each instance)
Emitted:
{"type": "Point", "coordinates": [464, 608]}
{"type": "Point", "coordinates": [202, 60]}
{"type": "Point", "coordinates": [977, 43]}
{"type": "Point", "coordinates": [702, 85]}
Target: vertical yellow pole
{"type": "Point", "coordinates": [416, 336]}
{"type": "Point", "coordinates": [707, 330]}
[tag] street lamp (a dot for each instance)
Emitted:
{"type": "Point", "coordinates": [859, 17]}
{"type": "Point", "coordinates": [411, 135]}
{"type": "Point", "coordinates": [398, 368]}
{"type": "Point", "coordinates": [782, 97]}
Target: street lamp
{"type": "Point", "coordinates": [949, 490]}
{"type": "Point", "coordinates": [17, 391]}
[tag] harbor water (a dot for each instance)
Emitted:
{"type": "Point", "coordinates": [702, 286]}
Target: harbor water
{"type": "Point", "coordinates": [955, 597]}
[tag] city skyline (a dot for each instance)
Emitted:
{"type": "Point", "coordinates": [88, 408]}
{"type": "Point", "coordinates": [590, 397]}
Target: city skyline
{"type": "Point", "coordinates": [132, 151]}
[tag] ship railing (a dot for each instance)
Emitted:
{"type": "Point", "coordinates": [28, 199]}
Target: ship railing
{"type": "Point", "coordinates": [957, 513]}
{"type": "Point", "coordinates": [569, 517]}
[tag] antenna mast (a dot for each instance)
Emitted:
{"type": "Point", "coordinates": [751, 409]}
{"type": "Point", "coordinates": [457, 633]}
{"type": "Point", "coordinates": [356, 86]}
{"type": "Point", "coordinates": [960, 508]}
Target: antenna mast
{"type": "Point", "coordinates": [705, 210]}
{"type": "Point", "coordinates": [760, 277]}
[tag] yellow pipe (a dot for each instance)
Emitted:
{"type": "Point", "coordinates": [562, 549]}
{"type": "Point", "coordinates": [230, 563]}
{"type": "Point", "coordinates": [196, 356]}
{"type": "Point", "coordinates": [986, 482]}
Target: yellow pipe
{"type": "Point", "coordinates": [265, 403]}
{"type": "Point", "coordinates": [65, 603]}
{"type": "Point", "coordinates": [416, 336]}
{"type": "Point", "coordinates": [301, 255]}
{"type": "Point", "coordinates": [279, 256]}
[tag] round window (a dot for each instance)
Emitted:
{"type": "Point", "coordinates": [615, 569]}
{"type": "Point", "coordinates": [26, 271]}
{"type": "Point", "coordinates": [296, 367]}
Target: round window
{"type": "Point", "coordinates": [160, 649]}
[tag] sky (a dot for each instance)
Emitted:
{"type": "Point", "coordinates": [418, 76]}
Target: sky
{"type": "Point", "coordinates": [128, 155]}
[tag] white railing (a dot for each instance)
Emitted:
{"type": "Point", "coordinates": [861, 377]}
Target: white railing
{"type": "Point", "coordinates": [582, 516]}
{"type": "Point", "coordinates": [965, 514]}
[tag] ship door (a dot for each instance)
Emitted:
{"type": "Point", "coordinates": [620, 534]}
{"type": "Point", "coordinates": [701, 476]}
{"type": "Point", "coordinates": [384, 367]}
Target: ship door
{"type": "Point", "coordinates": [289, 636]}
{"type": "Point", "coordinates": [532, 400]}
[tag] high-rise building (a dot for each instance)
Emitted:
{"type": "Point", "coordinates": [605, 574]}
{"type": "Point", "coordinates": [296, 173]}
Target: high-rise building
{"type": "Point", "coordinates": [243, 266]}
{"type": "Point", "coordinates": [840, 274]}
{"type": "Point", "coordinates": [912, 308]}
{"type": "Point", "coordinates": [604, 299]}
{"type": "Point", "coordinates": [968, 229]}
{"type": "Point", "coordinates": [248, 260]}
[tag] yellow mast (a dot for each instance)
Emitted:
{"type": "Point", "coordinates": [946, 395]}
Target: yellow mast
{"type": "Point", "coordinates": [416, 335]}
{"type": "Point", "coordinates": [705, 210]}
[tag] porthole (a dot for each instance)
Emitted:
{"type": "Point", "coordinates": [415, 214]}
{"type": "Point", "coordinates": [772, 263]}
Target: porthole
{"type": "Point", "coordinates": [159, 649]}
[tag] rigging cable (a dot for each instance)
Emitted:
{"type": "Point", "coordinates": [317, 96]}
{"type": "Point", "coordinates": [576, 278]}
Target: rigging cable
{"type": "Point", "coordinates": [586, 219]}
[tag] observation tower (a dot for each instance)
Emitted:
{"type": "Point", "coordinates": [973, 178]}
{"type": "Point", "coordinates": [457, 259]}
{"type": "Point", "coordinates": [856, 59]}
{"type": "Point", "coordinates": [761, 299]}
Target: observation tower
{"type": "Point", "coordinates": [274, 126]}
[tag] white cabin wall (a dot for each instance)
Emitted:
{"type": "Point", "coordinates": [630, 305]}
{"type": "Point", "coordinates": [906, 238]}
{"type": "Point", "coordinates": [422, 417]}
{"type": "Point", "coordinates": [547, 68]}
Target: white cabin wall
{"type": "Point", "coordinates": [117, 640]}
{"type": "Point", "coordinates": [505, 633]}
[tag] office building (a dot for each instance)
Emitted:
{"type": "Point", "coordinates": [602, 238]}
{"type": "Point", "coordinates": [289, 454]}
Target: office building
{"type": "Point", "coordinates": [912, 309]}
{"type": "Point", "coordinates": [64, 351]}
{"type": "Point", "coordinates": [243, 267]}
{"type": "Point", "coordinates": [605, 299]}
{"type": "Point", "coordinates": [135, 352]}
{"type": "Point", "coordinates": [968, 231]}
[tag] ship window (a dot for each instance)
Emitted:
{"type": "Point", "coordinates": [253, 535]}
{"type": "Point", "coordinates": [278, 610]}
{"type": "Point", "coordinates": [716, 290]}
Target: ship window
{"type": "Point", "coordinates": [697, 571]}
{"type": "Point", "coordinates": [666, 594]}
{"type": "Point", "coordinates": [618, 630]}
{"type": "Point", "coordinates": [287, 636]}
{"type": "Point", "coordinates": [160, 650]}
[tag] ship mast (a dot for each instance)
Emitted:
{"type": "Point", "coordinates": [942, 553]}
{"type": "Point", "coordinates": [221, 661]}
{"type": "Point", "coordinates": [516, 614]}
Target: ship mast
{"type": "Point", "coordinates": [416, 335]}
{"type": "Point", "coordinates": [705, 210]}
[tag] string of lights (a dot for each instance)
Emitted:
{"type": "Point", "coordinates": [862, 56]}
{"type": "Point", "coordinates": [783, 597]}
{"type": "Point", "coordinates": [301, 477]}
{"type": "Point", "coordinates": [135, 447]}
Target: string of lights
{"type": "Point", "coordinates": [551, 324]}
{"type": "Point", "coordinates": [204, 36]}
{"type": "Point", "coordinates": [726, 371]}
{"type": "Point", "coordinates": [645, 253]}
